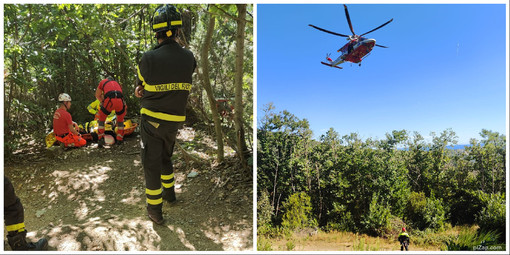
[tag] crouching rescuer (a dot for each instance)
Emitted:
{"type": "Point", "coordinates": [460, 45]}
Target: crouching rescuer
{"type": "Point", "coordinates": [66, 131]}
{"type": "Point", "coordinates": [164, 84]}
{"type": "Point", "coordinates": [109, 93]}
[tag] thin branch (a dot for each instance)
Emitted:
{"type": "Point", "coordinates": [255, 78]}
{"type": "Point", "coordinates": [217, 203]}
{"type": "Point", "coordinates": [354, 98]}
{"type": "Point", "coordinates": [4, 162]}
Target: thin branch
{"type": "Point", "coordinates": [228, 14]}
{"type": "Point", "coordinates": [132, 15]}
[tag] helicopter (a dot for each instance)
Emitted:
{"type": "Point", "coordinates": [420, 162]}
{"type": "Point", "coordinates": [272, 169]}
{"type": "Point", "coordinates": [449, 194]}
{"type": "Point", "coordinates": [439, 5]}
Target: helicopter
{"type": "Point", "coordinates": [356, 49]}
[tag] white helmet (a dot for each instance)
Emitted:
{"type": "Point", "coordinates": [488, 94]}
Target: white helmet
{"type": "Point", "coordinates": [64, 97]}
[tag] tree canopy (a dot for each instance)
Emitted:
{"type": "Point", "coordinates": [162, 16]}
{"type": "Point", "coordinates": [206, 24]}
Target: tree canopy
{"type": "Point", "coordinates": [54, 48]}
{"type": "Point", "coordinates": [376, 186]}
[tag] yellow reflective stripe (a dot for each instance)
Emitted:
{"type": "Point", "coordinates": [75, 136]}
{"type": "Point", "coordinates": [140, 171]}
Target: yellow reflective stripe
{"type": "Point", "coordinates": [154, 201]}
{"type": "Point", "coordinates": [167, 177]}
{"type": "Point", "coordinates": [160, 25]}
{"type": "Point", "coordinates": [140, 75]}
{"type": "Point", "coordinates": [176, 22]}
{"type": "Point", "coordinates": [153, 192]}
{"type": "Point", "coordinates": [168, 185]}
{"type": "Point", "coordinates": [15, 227]}
{"type": "Point", "coordinates": [162, 87]}
{"type": "Point", "coordinates": [167, 87]}
{"type": "Point", "coordinates": [154, 124]}
{"type": "Point", "coordinates": [92, 108]}
{"type": "Point", "coordinates": [163, 116]}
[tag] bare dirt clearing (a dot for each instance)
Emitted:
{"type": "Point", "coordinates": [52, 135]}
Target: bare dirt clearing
{"type": "Point", "coordinates": [93, 199]}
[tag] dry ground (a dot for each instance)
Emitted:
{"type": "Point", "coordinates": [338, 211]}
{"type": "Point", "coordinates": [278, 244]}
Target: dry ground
{"type": "Point", "coordinates": [93, 199]}
{"type": "Point", "coordinates": [339, 241]}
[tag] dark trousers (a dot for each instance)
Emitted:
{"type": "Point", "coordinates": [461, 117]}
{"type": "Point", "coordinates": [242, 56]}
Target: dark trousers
{"type": "Point", "coordinates": [158, 140]}
{"type": "Point", "coordinates": [13, 209]}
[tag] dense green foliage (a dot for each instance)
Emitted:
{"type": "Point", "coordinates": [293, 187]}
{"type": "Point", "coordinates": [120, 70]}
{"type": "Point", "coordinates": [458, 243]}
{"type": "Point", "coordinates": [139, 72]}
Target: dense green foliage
{"type": "Point", "coordinates": [425, 212]}
{"type": "Point", "coordinates": [265, 213]}
{"type": "Point", "coordinates": [55, 48]}
{"type": "Point", "coordinates": [366, 186]}
{"type": "Point", "coordinates": [297, 211]}
{"type": "Point", "coordinates": [475, 241]}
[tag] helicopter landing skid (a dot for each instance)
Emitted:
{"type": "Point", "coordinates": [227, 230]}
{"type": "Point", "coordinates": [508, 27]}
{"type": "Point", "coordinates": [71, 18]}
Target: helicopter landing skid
{"type": "Point", "coordinates": [331, 65]}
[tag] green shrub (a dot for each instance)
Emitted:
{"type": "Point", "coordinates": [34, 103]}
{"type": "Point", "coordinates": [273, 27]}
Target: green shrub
{"type": "Point", "coordinates": [264, 214]}
{"type": "Point", "coordinates": [492, 216]}
{"type": "Point", "coordinates": [298, 210]}
{"type": "Point", "coordinates": [263, 244]}
{"type": "Point", "coordinates": [465, 204]}
{"type": "Point", "coordinates": [429, 237]}
{"type": "Point", "coordinates": [377, 221]}
{"type": "Point", "coordinates": [340, 218]}
{"type": "Point", "coordinates": [394, 227]}
{"type": "Point", "coordinates": [290, 245]}
{"type": "Point", "coordinates": [359, 244]}
{"type": "Point", "coordinates": [468, 240]}
{"type": "Point", "coordinates": [424, 212]}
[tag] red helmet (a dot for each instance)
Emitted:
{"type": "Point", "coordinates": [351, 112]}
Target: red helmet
{"type": "Point", "coordinates": [403, 229]}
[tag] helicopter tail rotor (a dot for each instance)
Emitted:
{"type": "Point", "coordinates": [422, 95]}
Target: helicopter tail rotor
{"type": "Point", "coordinates": [328, 57]}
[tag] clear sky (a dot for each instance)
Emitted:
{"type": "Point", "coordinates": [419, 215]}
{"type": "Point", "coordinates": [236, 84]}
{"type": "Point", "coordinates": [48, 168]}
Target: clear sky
{"type": "Point", "coordinates": [445, 68]}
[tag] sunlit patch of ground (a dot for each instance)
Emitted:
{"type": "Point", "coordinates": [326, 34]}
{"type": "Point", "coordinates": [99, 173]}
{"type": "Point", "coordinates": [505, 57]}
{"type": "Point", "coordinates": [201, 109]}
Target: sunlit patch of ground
{"type": "Point", "coordinates": [339, 241]}
{"type": "Point", "coordinates": [92, 199]}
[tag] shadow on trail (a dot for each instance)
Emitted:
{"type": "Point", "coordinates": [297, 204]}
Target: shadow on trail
{"type": "Point", "coordinates": [94, 200]}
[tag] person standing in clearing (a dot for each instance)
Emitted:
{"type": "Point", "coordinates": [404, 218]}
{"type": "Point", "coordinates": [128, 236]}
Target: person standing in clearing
{"type": "Point", "coordinates": [164, 84]}
{"type": "Point", "coordinates": [403, 237]}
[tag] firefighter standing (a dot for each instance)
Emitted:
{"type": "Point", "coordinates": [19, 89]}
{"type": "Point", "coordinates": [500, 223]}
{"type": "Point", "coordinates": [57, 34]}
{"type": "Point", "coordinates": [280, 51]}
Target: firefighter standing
{"type": "Point", "coordinates": [66, 131]}
{"type": "Point", "coordinates": [14, 219]}
{"type": "Point", "coordinates": [164, 83]}
{"type": "Point", "coordinates": [403, 238]}
{"type": "Point", "coordinates": [109, 93]}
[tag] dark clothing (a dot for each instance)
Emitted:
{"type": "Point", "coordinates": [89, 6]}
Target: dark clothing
{"type": "Point", "coordinates": [403, 237]}
{"type": "Point", "coordinates": [158, 140]}
{"type": "Point", "coordinates": [166, 75]}
{"type": "Point", "coordinates": [13, 209]}
{"type": "Point", "coordinates": [165, 72]}
{"type": "Point", "coordinates": [14, 218]}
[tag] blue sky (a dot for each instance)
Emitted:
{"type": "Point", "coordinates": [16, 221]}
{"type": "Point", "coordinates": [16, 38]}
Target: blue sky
{"type": "Point", "coordinates": [445, 68]}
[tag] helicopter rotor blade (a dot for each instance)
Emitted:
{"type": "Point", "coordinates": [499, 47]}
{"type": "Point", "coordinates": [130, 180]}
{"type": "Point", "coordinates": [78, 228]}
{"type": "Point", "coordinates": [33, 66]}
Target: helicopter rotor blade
{"type": "Point", "coordinates": [327, 31]}
{"type": "Point", "coordinates": [377, 27]}
{"type": "Point", "coordinates": [381, 46]}
{"type": "Point", "coordinates": [348, 19]}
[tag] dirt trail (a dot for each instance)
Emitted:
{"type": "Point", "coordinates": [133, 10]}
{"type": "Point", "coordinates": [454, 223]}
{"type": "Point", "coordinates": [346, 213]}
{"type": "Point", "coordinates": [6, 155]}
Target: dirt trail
{"type": "Point", "coordinates": [92, 199]}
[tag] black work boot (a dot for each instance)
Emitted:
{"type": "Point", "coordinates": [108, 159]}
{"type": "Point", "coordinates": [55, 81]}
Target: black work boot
{"type": "Point", "coordinates": [169, 195]}
{"type": "Point", "coordinates": [155, 213]}
{"type": "Point", "coordinates": [18, 242]}
{"type": "Point", "coordinates": [100, 142]}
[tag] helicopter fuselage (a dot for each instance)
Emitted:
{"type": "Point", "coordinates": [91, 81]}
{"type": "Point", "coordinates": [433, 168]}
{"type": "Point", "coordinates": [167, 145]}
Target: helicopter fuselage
{"type": "Point", "coordinates": [359, 50]}
{"type": "Point", "coordinates": [354, 51]}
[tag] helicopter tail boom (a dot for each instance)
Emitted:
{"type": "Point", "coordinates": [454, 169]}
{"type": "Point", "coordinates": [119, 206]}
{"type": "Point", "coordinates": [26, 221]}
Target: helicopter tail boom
{"type": "Point", "coordinates": [327, 64]}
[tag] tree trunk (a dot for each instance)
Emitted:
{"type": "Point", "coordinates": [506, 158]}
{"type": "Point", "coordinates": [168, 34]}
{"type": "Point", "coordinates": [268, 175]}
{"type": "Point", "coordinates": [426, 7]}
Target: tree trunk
{"type": "Point", "coordinates": [238, 83]}
{"type": "Point", "coordinates": [207, 86]}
